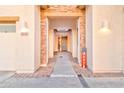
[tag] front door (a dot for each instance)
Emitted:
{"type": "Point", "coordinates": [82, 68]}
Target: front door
{"type": "Point", "coordinates": [64, 43]}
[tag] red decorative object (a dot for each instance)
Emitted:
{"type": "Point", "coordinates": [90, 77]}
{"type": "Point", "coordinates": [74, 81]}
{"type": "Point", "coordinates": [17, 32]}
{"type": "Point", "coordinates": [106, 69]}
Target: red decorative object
{"type": "Point", "coordinates": [84, 60]}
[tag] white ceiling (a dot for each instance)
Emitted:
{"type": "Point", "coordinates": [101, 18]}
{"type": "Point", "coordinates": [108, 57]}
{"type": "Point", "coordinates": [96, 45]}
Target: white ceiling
{"type": "Point", "coordinates": [62, 23]}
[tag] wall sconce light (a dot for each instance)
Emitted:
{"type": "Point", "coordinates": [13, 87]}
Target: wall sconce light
{"type": "Point", "coordinates": [25, 29]}
{"type": "Point", "coordinates": [104, 27]}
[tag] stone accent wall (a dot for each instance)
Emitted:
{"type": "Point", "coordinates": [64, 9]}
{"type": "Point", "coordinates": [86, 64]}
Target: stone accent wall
{"type": "Point", "coordinates": [43, 39]}
{"type": "Point", "coordinates": [63, 10]}
{"type": "Point", "coordinates": [82, 32]}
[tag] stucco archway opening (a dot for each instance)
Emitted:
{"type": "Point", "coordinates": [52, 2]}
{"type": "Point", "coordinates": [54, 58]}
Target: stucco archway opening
{"type": "Point", "coordinates": [67, 20]}
{"type": "Point", "coordinates": [62, 35]}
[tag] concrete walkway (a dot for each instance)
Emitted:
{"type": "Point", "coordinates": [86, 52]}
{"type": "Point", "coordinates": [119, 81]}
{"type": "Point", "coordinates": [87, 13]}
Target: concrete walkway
{"type": "Point", "coordinates": [63, 69]}
{"type": "Point", "coordinates": [5, 75]}
{"type": "Point", "coordinates": [63, 66]}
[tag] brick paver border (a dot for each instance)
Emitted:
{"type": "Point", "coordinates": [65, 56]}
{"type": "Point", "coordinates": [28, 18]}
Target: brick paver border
{"type": "Point", "coordinates": [41, 72]}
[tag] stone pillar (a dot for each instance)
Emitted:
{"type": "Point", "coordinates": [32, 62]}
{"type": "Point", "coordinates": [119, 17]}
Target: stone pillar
{"type": "Point", "coordinates": [43, 40]}
{"type": "Point", "coordinates": [82, 32]}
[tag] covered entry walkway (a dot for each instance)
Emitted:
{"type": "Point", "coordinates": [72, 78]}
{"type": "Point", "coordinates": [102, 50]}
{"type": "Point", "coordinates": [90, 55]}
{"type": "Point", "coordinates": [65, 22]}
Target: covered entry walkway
{"type": "Point", "coordinates": [63, 67]}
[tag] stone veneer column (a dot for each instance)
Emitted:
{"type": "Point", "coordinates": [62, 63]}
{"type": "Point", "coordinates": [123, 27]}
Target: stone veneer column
{"type": "Point", "coordinates": [43, 39]}
{"type": "Point", "coordinates": [82, 32]}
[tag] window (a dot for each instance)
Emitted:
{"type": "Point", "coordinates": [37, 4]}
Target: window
{"type": "Point", "coordinates": [8, 24]}
{"type": "Point", "coordinates": [6, 27]}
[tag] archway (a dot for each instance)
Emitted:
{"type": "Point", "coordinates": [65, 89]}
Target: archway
{"type": "Point", "coordinates": [62, 11]}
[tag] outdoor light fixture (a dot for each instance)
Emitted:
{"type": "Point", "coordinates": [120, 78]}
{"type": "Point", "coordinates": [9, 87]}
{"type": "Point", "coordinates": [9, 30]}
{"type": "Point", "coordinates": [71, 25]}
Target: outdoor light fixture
{"type": "Point", "coordinates": [104, 27]}
{"type": "Point", "coordinates": [25, 29]}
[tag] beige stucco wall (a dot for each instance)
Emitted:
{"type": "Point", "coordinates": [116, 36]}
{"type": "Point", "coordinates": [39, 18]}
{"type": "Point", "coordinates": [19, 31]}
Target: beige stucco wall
{"type": "Point", "coordinates": [17, 52]}
{"type": "Point", "coordinates": [55, 43]}
{"type": "Point", "coordinates": [69, 41]}
{"type": "Point", "coordinates": [51, 42]}
{"type": "Point", "coordinates": [107, 45]}
{"type": "Point", "coordinates": [89, 36]}
{"type": "Point", "coordinates": [74, 42]}
{"type": "Point", "coordinates": [122, 42]}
